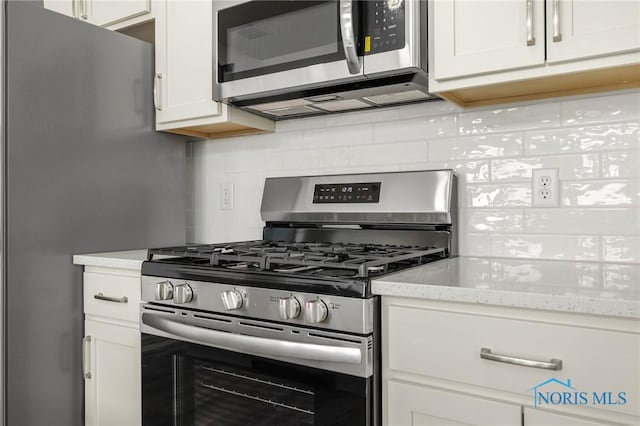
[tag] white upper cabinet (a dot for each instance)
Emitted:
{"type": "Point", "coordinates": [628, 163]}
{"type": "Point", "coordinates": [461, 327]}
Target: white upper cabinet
{"type": "Point", "coordinates": [475, 37]}
{"type": "Point", "coordinates": [579, 29]}
{"type": "Point", "coordinates": [487, 52]}
{"type": "Point", "coordinates": [114, 14]}
{"type": "Point", "coordinates": [110, 12]}
{"type": "Point", "coordinates": [184, 75]}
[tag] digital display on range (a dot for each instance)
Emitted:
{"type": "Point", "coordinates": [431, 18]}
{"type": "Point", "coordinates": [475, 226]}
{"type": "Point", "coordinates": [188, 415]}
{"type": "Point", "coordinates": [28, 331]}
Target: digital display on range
{"type": "Point", "coordinates": [368, 192]}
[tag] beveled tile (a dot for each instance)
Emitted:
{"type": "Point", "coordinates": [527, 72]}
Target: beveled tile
{"type": "Point", "coordinates": [580, 139]}
{"type": "Point", "coordinates": [491, 220]}
{"type": "Point", "coordinates": [509, 119]}
{"type": "Point", "coordinates": [485, 146]}
{"type": "Point", "coordinates": [603, 108]}
{"type": "Point", "coordinates": [504, 195]}
{"type": "Point", "coordinates": [598, 221]}
{"type": "Point", "coordinates": [584, 166]}
{"type": "Point", "coordinates": [601, 193]}
{"type": "Point", "coordinates": [559, 247]}
{"type": "Point", "coordinates": [405, 152]}
{"type": "Point", "coordinates": [625, 164]}
{"type": "Point", "coordinates": [621, 249]}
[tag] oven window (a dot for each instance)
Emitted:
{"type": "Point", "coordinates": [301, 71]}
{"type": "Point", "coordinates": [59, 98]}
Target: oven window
{"type": "Point", "coordinates": [189, 384]}
{"type": "Point", "coordinates": [262, 37]}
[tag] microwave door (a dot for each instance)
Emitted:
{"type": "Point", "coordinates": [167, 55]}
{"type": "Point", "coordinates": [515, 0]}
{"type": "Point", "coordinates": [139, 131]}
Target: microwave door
{"type": "Point", "coordinates": [267, 48]}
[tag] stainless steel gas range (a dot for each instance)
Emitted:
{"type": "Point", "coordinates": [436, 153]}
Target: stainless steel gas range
{"type": "Point", "coordinates": [285, 330]}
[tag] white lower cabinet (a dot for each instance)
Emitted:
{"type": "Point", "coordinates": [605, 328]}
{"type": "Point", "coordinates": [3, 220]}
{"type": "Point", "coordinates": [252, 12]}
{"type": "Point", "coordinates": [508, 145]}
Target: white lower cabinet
{"type": "Point", "coordinates": [414, 405]}
{"type": "Point", "coordinates": [544, 418]}
{"type": "Point", "coordinates": [447, 363]}
{"type": "Point", "coordinates": [112, 374]}
{"type": "Point", "coordinates": [111, 347]}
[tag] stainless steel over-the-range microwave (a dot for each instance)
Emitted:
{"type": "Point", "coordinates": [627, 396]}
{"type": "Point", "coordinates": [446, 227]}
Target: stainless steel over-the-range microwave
{"type": "Point", "coordinates": [290, 58]}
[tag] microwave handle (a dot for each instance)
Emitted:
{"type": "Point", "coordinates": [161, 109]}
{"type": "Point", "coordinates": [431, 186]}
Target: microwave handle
{"type": "Point", "coordinates": [348, 37]}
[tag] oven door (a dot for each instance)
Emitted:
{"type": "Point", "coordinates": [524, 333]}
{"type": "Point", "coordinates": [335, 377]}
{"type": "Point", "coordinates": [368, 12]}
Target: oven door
{"type": "Point", "coordinates": [268, 47]}
{"type": "Point", "coordinates": [204, 369]}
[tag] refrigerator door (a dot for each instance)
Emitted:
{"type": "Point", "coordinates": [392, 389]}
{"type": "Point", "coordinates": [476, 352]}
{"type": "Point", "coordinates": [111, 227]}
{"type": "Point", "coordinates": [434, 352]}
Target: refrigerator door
{"type": "Point", "coordinates": [85, 172]}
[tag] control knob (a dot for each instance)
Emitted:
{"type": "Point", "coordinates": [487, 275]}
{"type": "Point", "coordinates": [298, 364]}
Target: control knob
{"type": "Point", "coordinates": [164, 290]}
{"type": "Point", "coordinates": [231, 300]}
{"type": "Point", "coordinates": [289, 308]}
{"type": "Point", "coordinates": [315, 311]}
{"type": "Point", "coordinates": [182, 293]}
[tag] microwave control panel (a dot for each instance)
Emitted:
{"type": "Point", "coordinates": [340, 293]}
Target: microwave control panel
{"type": "Point", "coordinates": [383, 26]}
{"type": "Point", "coordinates": [368, 192]}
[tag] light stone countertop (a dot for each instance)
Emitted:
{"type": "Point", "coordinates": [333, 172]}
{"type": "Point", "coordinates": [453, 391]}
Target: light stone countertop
{"type": "Point", "coordinates": [130, 259]}
{"type": "Point", "coordinates": [610, 289]}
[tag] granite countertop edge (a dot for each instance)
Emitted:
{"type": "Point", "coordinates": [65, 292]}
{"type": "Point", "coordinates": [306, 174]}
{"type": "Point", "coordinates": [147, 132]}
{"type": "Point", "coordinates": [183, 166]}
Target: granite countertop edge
{"type": "Point", "coordinates": [422, 285]}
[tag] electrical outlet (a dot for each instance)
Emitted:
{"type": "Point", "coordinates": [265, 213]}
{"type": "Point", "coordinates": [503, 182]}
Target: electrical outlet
{"type": "Point", "coordinates": [226, 196]}
{"type": "Point", "coordinates": [544, 188]}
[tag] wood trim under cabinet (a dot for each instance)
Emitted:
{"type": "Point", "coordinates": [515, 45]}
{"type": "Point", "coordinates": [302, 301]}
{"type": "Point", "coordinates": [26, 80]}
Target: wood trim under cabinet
{"type": "Point", "coordinates": [617, 78]}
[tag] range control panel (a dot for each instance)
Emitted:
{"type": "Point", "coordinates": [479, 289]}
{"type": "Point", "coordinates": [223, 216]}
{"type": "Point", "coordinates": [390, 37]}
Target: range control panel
{"type": "Point", "coordinates": [384, 26]}
{"type": "Point", "coordinates": [368, 192]}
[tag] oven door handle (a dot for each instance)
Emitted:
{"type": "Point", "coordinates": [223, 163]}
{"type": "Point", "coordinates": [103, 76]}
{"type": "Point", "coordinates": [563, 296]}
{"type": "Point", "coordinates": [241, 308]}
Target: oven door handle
{"type": "Point", "coordinates": [179, 330]}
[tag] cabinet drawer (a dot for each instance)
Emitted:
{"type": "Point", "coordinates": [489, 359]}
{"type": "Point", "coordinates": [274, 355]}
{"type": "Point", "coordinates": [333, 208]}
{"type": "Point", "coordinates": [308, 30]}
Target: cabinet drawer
{"type": "Point", "coordinates": [113, 296]}
{"type": "Point", "coordinates": [447, 345]}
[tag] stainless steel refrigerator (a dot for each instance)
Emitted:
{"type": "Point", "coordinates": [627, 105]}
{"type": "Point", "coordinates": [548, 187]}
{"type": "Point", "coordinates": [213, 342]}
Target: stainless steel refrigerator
{"type": "Point", "coordinates": [82, 170]}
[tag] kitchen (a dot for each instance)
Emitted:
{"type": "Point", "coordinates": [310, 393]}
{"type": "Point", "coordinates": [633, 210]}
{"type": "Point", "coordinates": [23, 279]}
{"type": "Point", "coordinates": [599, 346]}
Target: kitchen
{"type": "Point", "coordinates": [573, 266]}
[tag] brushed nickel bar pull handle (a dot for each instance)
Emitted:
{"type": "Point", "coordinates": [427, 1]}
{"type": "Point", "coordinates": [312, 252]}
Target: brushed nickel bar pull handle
{"type": "Point", "coordinates": [85, 344]}
{"type": "Point", "coordinates": [84, 10]}
{"type": "Point", "coordinates": [157, 87]}
{"type": "Point", "coordinates": [101, 296]}
{"type": "Point", "coordinates": [74, 10]}
{"type": "Point", "coordinates": [557, 36]}
{"type": "Point", "coordinates": [554, 364]}
{"type": "Point", "coordinates": [531, 40]}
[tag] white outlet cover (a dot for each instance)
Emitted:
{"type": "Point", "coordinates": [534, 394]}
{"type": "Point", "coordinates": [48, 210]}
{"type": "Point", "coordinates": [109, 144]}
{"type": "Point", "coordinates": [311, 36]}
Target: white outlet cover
{"type": "Point", "coordinates": [226, 196]}
{"type": "Point", "coordinates": [545, 188]}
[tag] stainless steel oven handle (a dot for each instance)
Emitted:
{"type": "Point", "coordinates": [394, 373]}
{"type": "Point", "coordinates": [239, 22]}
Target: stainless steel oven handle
{"type": "Point", "coordinates": [348, 37]}
{"type": "Point", "coordinates": [251, 344]}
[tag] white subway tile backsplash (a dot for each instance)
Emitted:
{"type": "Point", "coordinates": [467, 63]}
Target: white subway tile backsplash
{"type": "Point", "coordinates": [560, 247]}
{"type": "Point", "coordinates": [621, 277]}
{"type": "Point", "coordinates": [415, 129]}
{"type": "Point", "coordinates": [605, 108]}
{"type": "Point", "coordinates": [491, 220]}
{"type": "Point", "coordinates": [393, 153]}
{"type": "Point", "coordinates": [602, 221]}
{"type": "Point", "coordinates": [601, 193]}
{"type": "Point", "coordinates": [503, 195]}
{"type": "Point", "coordinates": [467, 171]}
{"type": "Point", "coordinates": [509, 119]}
{"type": "Point", "coordinates": [340, 136]}
{"type": "Point", "coordinates": [570, 167]}
{"type": "Point", "coordinates": [580, 139]}
{"type": "Point", "coordinates": [316, 158]}
{"type": "Point", "coordinates": [621, 249]}
{"type": "Point", "coordinates": [485, 146]}
{"type": "Point", "coordinates": [625, 164]}
{"type": "Point", "coordinates": [594, 142]}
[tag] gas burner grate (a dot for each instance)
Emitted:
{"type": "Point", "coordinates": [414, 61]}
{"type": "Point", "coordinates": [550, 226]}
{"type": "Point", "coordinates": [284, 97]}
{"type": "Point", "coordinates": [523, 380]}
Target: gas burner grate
{"type": "Point", "coordinates": [363, 259]}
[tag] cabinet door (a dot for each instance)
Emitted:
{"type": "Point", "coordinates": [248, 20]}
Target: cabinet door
{"type": "Point", "coordinates": [112, 386]}
{"type": "Point", "coordinates": [66, 7]}
{"type": "Point", "coordinates": [414, 405]}
{"type": "Point", "coordinates": [109, 12]}
{"type": "Point", "coordinates": [579, 29]}
{"type": "Point", "coordinates": [474, 37]}
{"type": "Point", "coordinates": [533, 417]}
{"type": "Point", "coordinates": [184, 62]}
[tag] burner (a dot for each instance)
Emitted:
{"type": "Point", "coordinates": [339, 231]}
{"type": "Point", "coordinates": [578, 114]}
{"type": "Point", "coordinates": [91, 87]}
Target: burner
{"type": "Point", "coordinates": [352, 260]}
